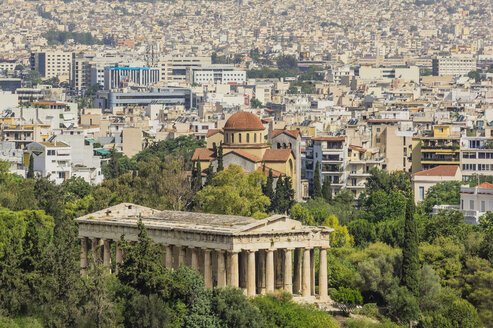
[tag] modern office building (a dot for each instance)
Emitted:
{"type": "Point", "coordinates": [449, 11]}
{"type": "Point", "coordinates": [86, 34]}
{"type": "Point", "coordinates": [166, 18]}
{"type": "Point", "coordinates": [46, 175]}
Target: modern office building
{"type": "Point", "coordinates": [118, 77]}
{"type": "Point", "coordinates": [174, 68]}
{"type": "Point", "coordinates": [167, 96]}
{"type": "Point", "coordinates": [52, 64]}
{"type": "Point", "coordinates": [217, 74]}
{"type": "Point", "coordinates": [457, 66]}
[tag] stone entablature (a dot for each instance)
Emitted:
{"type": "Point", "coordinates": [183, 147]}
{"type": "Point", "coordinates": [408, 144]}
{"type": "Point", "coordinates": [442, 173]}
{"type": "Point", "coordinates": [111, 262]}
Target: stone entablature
{"type": "Point", "coordinates": [257, 255]}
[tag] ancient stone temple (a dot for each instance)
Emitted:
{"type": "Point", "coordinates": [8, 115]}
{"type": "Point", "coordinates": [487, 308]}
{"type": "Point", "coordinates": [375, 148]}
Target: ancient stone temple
{"type": "Point", "coordinates": [256, 255]}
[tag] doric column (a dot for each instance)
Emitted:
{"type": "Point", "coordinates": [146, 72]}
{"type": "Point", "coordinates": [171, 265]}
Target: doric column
{"type": "Point", "coordinates": [194, 260]}
{"type": "Point", "coordinates": [322, 274]}
{"type": "Point", "coordinates": [107, 254]}
{"type": "Point", "coordinates": [207, 269]}
{"type": "Point", "coordinates": [260, 264]}
{"type": "Point", "coordinates": [221, 269]}
{"type": "Point", "coordinates": [269, 270]}
{"type": "Point", "coordinates": [168, 257]}
{"type": "Point", "coordinates": [306, 288]}
{"type": "Point", "coordinates": [233, 273]}
{"type": "Point", "coordinates": [288, 278]}
{"type": "Point", "coordinates": [94, 251]}
{"type": "Point", "coordinates": [244, 269]}
{"type": "Point", "coordinates": [118, 256]}
{"type": "Point", "coordinates": [312, 271]}
{"type": "Point", "coordinates": [181, 255]}
{"type": "Point", "coordinates": [251, 273]}
{"type": "Point", "coordinates": [83, 255]}
{"type": "Point", "coordinates": [297, 271]}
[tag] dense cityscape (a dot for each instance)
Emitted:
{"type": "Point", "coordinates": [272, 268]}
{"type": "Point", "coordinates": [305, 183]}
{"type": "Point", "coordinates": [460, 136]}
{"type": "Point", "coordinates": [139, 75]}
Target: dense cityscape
{"type": "Point", "coordinates": [246, 163]}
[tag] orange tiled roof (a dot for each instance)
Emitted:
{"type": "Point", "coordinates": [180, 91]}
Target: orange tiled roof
{"type": "Point", "coordinates": [341, 138]}
{"type": "Point", "coordinates": [244, 121]}
{"type": "Point", "coordinates": [245, 155]}
{"type": "Point", "coordinates": [276, 155]}
{"type": "Point", "coordinates": [205, 154]}
{"type": "Point", "coordinates": [292, 133]}
{"type": "Point", "coordinates": [439, 171]}
{"type": "Point", "coordinates": [266, 171]}
{"type": "Point", "coordinates": [212, 132]}
{"type": "Point", "coordinates": [485, 185]}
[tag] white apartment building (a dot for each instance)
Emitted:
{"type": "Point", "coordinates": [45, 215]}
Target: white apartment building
{"type": "Point", "coordinates": [388, 73]}
{"type": "Point", "coordinates": [51, 159]}
{"type": "Point", "coordinates": [476, 156]}
{"type": "Point", "coordinates": [85, 163]}
{"type": "Point", "coordinates": [331, 155]}
{"type": "Point", "coordinates": [52, 64]}
{"type": "Point", "coordinates": [457, 65]}
{"type": "Point", "coordinates": [57, 114]}
{"type": "Point", "coordinates": [218, 75]}
{"type": "Point", "coordinates": [476, 201]}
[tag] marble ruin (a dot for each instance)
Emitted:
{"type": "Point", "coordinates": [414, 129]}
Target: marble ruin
{"type": "Point", "coordinates": [258, 256]}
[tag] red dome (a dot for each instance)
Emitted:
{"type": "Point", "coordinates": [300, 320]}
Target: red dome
{"type": "Point", "coordinates": [243, 121]}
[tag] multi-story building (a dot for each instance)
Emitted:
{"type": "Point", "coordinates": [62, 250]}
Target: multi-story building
{"type": "Point", "coordinates": [23, 134]}
{"type": "Point", "coordinates": [359, 163]}
{"type": "Point", "coordinates": [174, 68]}
{"type": "Point", "coordinates": [330, 153]}
{"type": "Point", "coordinates": [118, 77]}
{"type": "Point", "coordinates": [457, 65]}
{"type": "Point", "coordinates": [217, 74]}
{"type": "Point", "coordinates": [168, 96]}
{"type": "Point", "coordinates": [440, 147]}
{"type": "Point", "coordinates": [51, 159]}
{"type": "Point", "coordinates": [52, 64]}
{"type": "Point", "coordinates": [476, 156]}
{"type": "Point", "coordinates": [388, 73]}
{"type": "Point", "coordinates": [393, 138]}
{"type": "Point", "coordinates": [476, 201]}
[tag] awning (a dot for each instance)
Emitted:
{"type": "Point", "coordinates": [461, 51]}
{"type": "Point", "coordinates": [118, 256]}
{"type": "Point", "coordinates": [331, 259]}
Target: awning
{"type": "Point", "coordinates": [102, 151]}
{"type": "Point", "coordinates": [91, 141]}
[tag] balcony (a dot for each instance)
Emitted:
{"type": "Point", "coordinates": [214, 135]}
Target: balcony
{"type": "Point", "coordinates": [359, 175]}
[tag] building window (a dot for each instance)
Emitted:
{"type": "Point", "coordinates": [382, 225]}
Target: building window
{"type": "Point", "coordinates": [248, 137]}
{"type": "Point", "coordinates": [61, 175]}
{"type": "Point", "coordinates": [255, 137]}
{"type": "Point", "coordinates": [483, 206]}
{"type": "Point", "coordinates": [471, 204]}
{"type": "Point", "coordinates": [421, 193]}
{"type": "Point", "coordinates": [239, 137]}
{"type": "Point", "coordinates": [232, 138]}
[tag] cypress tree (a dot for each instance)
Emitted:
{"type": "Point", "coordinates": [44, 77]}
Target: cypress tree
{"type": "Point", "coordinates": [193, 181]}
{"type": "Point", "coordinates": [317, 188]}
{"type": "Point", "coordinates": [326, 190]}
{"type": "Point", "coordinates": [199, 175]}
{"type": "Point", "coordinates": [210, 175]}
{"type": "Point", "coordinates": [278, 196]}
{"type": "Point", "coordinates": [268, 187]}
{"type": "Point", "coordinates": [288, 195]}
{"type": "Point", "coordinates": [410, 259]}
{"type": "Point", "coordinates": [30, 171]}
{"type": "Point", "coordinates": [220, 165]}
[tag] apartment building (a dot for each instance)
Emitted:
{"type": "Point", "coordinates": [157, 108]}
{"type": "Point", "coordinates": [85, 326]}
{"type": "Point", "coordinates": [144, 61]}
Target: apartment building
{"type": "Point", "coordinates": [23, 134]}
{"type": "Point", "coordinates": [174, 68]}
{"type": "Point", "coordinates": [331, 155]}
{"type": "Point", "coordinates": [219, 74]}
{"type": "Point", "coordinates": [439, 147]}
{"type": "Point", "coordinates": [476, 201]}
{"type": "Point", "coordinates": [388, 73]}
{"type": "Point", "coordinates": [51, 159]}
{"type": "Point", "coordinates": [52, 64]}
{"type": "Point", "coordinates": [457, 65]}
{"type": "Point", "coordinates": [359, 163]}
{"type": "Point", "coordinates": [393, 138]}
{"type": "Point", "coordinates": [476, 156]}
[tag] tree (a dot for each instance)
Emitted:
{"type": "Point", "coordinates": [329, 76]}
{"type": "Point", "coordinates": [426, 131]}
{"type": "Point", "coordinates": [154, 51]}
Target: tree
{"type": "Point", "coordinates": [317, 188]}
{"type": "Point", "coordinates": [403, 305]}
{"type": "Point", "coordinates": [362, 231]}
{"type": "Point", "coordinates": [347, 297]}
{"type": "Point", "coordinates": [234, 309]}
{"type": "Point", "coordinates": [474, 75]}
{"type": "Point", "coordinates": [442, 193]}
{"type": "Point", "coordinates": [255, 103]}
{"type": "Point", "coordinates": [268, 187]}
{"type": "Point", "coordinates": [210, 174]}
{"type": "Point", "coordinates": [326, 189]}
{"type": "Point", "coordinates": [30, 171]}
{"type": "Point", "coordinates": [287, 62]}
{"type": "Point", "coordinates": [410, 258]}
{"type": "Point", "coordinates": [234, 192]}
{"type": "Point", "coordinates": [220, 165]}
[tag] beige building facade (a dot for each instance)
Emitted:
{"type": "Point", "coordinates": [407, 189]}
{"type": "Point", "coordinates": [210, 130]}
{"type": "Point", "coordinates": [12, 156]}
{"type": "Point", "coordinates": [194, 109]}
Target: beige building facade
{"type": "Point", "coordinates": [259, 256]}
